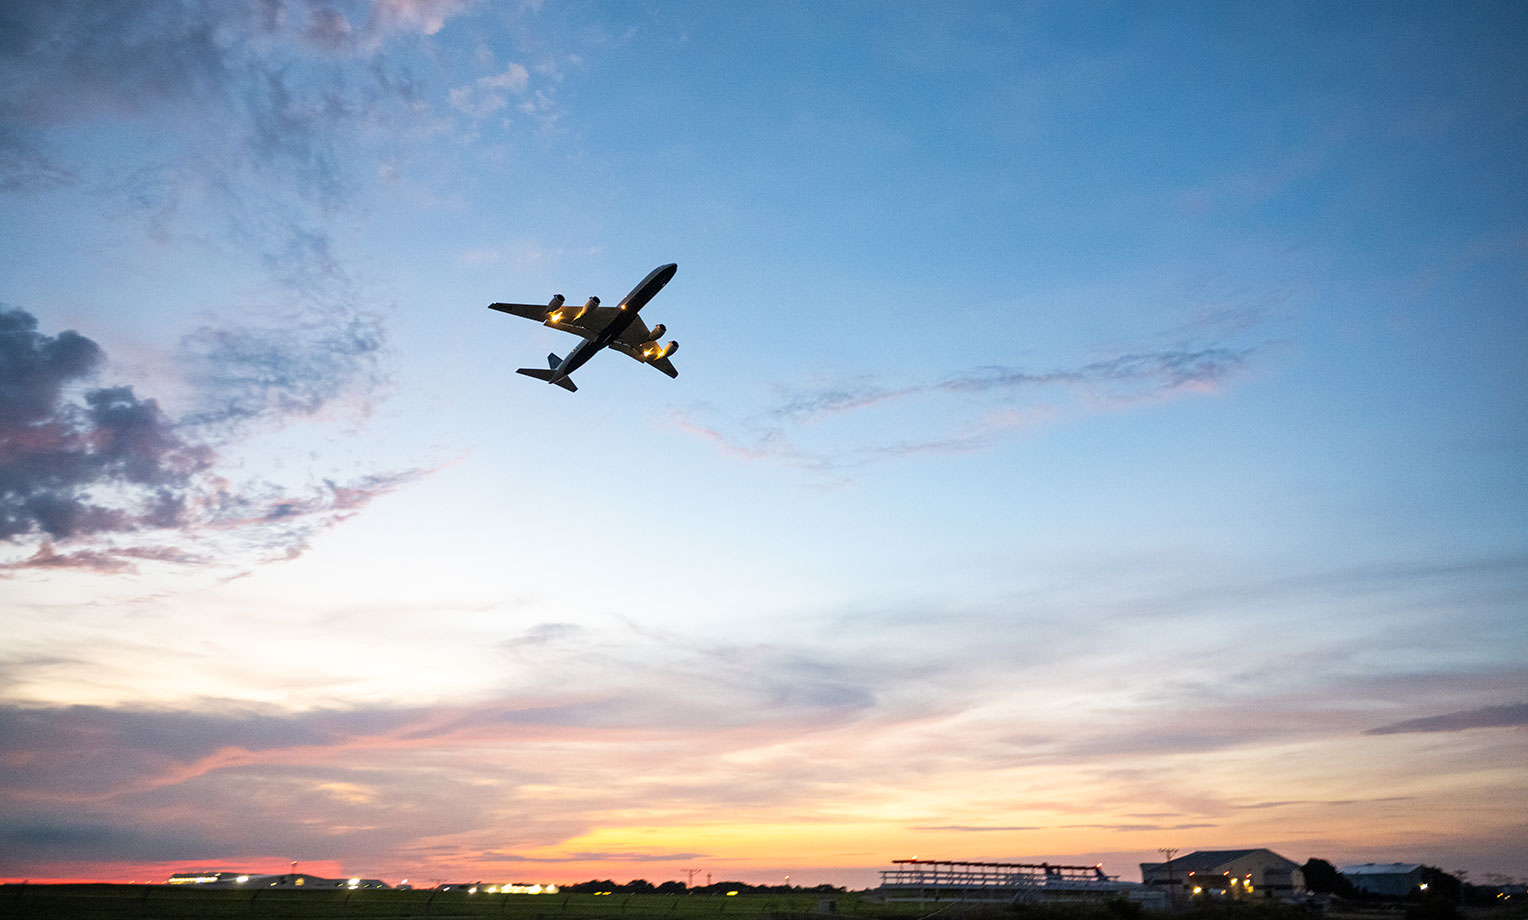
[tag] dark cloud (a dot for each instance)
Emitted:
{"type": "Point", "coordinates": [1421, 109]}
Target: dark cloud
{"type": "Point", "coordinates": [1512, 715]}
{"type": "Point", "coordinates": [108, 750]}
{"type": "Point", "coordinates": [65, 60]}
{"type": "Point", "coordinates": [1330, 803]}
{"type": "Point", "coordinates": [34, 368]}
{"type": "Point", "coordinates": [29, 837]}
{"type": "Point", "coordinates": [55, 452]}
{"type": "Point", "coordinates": [78, 463]}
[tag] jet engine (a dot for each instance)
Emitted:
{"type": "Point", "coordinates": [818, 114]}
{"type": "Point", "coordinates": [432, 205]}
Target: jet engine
{"type": "Point", "coordinates": [593, 302]}
{"type": "Point", "coordinates": [556, 301]}
{"type": "Point", "coordinates": [652, 351]}
{"type": "Point", "coordinates": [553, 307]}
{"type": "Point", "coordinates": [657, 332]}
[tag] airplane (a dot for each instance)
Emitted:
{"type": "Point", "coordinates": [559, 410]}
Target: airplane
{"type": "Point", "coordinates": [616, 327]}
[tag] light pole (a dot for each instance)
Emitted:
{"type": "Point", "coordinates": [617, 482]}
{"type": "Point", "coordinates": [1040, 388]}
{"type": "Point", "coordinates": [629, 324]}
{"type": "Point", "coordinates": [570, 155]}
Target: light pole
{"type": "Point", "coordinates": [1172, 884]}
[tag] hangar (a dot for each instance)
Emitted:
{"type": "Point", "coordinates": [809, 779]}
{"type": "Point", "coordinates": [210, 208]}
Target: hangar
{"type": "Point", "coordinates": [1233, 874]}
{"type": "Point", "coordinates": [1389, 879]}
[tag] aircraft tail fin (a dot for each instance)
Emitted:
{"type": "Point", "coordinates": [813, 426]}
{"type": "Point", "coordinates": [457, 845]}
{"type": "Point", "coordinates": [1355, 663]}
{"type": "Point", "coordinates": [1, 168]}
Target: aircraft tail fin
{"type": "Point", "coordinates": [552, 361]}
{"type": "Point", "coordinates": [546, 374]}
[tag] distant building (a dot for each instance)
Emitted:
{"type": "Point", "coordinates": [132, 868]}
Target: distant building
{"type": "Point", "coordinates": [1225, 874]}
{"type": "Point", "coordinates": [209, 878]}
{"type": "Point", "coordinates": [927, 880]}
{"type": "Point", "coordinates": [224, 879]}
{"type": "Point", "coordinates": [1395, 880]}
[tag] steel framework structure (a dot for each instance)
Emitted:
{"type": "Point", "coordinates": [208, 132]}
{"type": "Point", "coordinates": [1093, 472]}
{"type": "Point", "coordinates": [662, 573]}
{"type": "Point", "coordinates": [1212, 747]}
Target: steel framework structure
{"type": "Point", "coordinates": [959, 880]}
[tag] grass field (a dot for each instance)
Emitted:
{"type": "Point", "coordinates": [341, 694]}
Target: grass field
{"type": "Point", "coordinates": [163, 902]}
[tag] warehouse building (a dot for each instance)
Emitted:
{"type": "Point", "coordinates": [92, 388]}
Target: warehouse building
{"type": "Point", "coordinates": [1235, 875]}
{"type": "Point", "coordinates": [1394, 880]}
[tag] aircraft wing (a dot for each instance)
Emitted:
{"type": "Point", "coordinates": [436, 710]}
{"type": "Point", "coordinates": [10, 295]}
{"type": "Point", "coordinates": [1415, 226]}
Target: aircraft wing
{"type": "Point", "coordinates": [581, 321]}
{"type": "Point", "coordinates": [587, 322]}
{"type": "Point", "coordinates": [635, 353]}
{"type": "Point", "coordinates": [535, 311]}
{"type": "Point", "coordinates": [635, 334]}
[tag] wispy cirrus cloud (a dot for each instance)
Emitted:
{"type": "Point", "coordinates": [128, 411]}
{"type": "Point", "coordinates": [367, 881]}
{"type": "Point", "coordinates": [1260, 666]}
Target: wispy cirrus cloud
{"type": "Point", "coordinates": [971, 408]}
{"type": "Point", "coordinates": [1512, 715]}
{"type": "Point", "coordinates": [243, 373]}
{"type": "Point", "coordinates": [1128, 378]}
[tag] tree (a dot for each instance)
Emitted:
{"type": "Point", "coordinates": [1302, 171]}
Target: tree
{"type": "Point", "coordinates": [1441, 886]}
{"type": "Point", "coordinates": [1323, 878]}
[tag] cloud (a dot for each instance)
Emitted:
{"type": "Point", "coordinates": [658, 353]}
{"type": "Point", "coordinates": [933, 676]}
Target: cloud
{"type": "Point", "coordinates": [1512, 715]}
{"type": "Point", "coordinates": [1128, 828]}
{"type": "Point", "coordinates": [25, 168]}
{"type": "Point", "coordinates": [249, 109]}
{"type": "Point", "coordinates": [55, 452]}
{"type": "Point", "coordinates": [982, 829]}
{"type": "Point", "coordinates": [988, 401]}
{"type": "Point", "coordinates": [243, 373]}
{"type": "Point", "coordinates": [490, 94]}
{"type": "Point", "coordinates": [107, 462]}
{"type": "Point", "coordinates": [1128, 377]}
{"type": "Point", "coordinates": [595, 856]}
{"type": "Point", "coordinates": [37, 836]}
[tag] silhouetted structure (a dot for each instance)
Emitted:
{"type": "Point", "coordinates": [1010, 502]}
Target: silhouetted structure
{"type": "Point", "coordinates": [925, 880]}
{"type": "Point", "coordinates": [1226, 874]}
{"type": "Point", "coordinates": [1393, 880]}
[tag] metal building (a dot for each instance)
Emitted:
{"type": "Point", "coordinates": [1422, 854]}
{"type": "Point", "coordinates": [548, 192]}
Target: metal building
{"type": "Point", "coordinates": [1391, 879]}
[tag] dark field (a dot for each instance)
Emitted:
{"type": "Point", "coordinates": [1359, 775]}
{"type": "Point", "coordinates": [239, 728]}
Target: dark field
{"type": "Point", "coordinates": [162, 902]}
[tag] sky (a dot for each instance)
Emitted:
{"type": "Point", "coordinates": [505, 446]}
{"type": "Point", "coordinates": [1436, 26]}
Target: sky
{"type": "Point", "coordinates": [1099, 427]}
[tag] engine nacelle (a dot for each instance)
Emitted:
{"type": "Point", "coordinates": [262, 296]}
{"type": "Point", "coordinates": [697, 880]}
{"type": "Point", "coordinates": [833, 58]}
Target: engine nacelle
{"type": "Point", "coordinates": [554, 308]}
{"type": "Point", "coordinates": [652, 351]}
{"type": "Point", "coordinates": [593, 302]}
{"type": "Point", "coordinates": [555, 302]}
{"type": "Point", "coordinates": [657, 332]}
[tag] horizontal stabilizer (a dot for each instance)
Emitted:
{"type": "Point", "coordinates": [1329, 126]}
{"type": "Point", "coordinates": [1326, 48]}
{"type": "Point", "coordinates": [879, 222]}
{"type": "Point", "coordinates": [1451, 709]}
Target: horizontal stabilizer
{"type": "Point", "coordinates": [546, 374]}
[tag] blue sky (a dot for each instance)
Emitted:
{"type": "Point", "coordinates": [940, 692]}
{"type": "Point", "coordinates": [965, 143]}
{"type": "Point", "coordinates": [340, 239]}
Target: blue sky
{"type": "Point", "coordinates": [1099, 428]}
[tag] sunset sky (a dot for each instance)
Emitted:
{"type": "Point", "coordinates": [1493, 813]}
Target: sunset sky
{"type": "Point", "coordinates": [1099, 427]}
